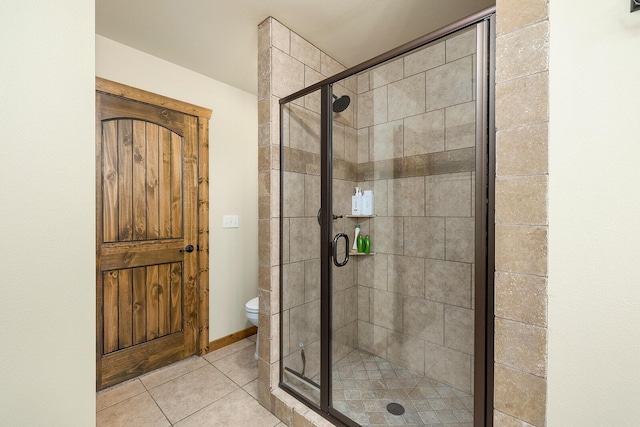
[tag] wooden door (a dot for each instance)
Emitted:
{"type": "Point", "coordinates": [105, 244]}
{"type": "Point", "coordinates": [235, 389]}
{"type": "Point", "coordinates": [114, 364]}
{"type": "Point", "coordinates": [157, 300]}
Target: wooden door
{"type": "Point", "coordinates": [147, 238]}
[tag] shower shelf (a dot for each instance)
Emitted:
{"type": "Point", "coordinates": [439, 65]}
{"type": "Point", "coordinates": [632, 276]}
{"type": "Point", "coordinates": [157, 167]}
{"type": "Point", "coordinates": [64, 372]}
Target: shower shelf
{"type": "Point", "coordinates": [360, 216]}
{"type": "Point", "coordinates": [351, 253]}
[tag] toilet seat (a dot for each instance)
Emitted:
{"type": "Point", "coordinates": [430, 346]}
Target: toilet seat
{"type": "Point", "coordinates": [252, 306]}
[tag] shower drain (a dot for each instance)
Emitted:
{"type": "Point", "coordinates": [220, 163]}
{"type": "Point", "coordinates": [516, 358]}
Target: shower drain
{"type": "Point", "coordinates": [395, 408]}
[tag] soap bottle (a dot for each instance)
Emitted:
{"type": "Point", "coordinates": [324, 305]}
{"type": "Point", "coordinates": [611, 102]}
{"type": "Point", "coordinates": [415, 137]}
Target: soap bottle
{"type": "Point", "coordinates": [367, 202]}
{"type": "Point", "coordinates": [367, 244]}
{"type": "Point", "coordinates": [360, 244]}
{"type": "Point", "coordinates": [356, 203]}
{"type": "Point", "coordinates": [355, 238]}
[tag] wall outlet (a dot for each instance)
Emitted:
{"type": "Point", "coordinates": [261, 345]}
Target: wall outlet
{"type": "Point", "coordinates": [230, 221]}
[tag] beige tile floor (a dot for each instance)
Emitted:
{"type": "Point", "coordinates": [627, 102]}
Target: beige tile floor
{"type": "Point", "coordinates": [219, 389]}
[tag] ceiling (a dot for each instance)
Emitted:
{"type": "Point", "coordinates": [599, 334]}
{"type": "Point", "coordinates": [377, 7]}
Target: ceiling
{"type": "Point", "coordinates": [218, 38]}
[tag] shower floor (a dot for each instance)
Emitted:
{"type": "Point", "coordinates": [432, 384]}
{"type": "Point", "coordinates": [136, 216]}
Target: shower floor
{"type": "Point", "coordinates": [364, 384]}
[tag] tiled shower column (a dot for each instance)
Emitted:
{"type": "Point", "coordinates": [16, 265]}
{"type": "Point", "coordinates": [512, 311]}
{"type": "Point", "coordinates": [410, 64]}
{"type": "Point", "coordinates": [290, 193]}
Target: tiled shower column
{"type": "Point", "coordinates": [522, 115]}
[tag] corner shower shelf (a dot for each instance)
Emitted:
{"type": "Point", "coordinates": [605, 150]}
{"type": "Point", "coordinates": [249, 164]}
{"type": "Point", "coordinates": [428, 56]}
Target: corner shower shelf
{"type": "Point", "coordinates": [360, 216]}
{"type": "Point", "coordinates": [351, 253]}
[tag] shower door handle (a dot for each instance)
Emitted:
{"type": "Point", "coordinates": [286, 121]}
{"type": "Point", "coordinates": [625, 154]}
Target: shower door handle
{"type": "Point", "coordinates": [334, 245]}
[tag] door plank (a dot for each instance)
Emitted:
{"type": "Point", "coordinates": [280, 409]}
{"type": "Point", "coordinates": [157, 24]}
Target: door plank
{"type": "Point", "coordinates": [125, 312]}
{"type": "Point", "coordinates": [164, 303]}
{"type": "Point", "coordinates": [153, 230]}
{"type": "Point", "coordinates": [152, 302]}
{"type": "Point", "coordinates": [110, 311]}
{"type": "Point", "coordinates": [164, 191]}
{"type": "Point", "coordinates": [125, 175]}
{"type": "Point", "coordinates": [139, 180]}
{"type": "Point", "coordinates": [177, 157]}
{"type": "Point", "coordinates": [110, 181]}
{"type": "Point", "coordinates": [121, 366]}
{"type": "Point", "coordinates": [139, 305]}
{"type": "Point", "coordinates": [176, 297]}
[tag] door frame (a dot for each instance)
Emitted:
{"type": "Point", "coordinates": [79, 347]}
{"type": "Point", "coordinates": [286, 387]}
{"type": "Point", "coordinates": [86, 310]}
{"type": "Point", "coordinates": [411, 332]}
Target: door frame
{"type": "Point", "coordinates": [203, 115]}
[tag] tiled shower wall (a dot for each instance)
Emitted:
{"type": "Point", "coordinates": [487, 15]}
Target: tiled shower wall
{"type": "Point", "coordinates": [416, 139]}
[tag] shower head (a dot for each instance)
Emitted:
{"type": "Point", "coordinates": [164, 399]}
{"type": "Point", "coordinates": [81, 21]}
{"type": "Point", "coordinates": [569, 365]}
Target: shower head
{"type": "Point", "coordinates": [340, 104]}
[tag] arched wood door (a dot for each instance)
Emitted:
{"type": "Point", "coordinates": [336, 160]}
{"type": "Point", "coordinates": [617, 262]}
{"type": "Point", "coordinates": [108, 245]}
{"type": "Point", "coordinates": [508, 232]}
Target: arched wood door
{"type": "Point", "coordinates": [148, 291]}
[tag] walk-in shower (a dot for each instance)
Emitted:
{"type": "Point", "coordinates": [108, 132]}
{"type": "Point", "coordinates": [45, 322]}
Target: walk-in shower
{"type": "Point", "coordinates": [398, 335]}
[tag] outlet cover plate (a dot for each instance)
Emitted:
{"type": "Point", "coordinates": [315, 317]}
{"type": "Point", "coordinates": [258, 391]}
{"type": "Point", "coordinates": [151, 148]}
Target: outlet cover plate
{"type": "Point", "coordinates": [230, 221]}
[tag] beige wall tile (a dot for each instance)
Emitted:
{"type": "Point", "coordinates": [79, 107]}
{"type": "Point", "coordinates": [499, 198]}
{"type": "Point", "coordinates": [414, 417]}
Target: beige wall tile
{"type": "Point", "coordinates": [305, 52]}
{"type": "Point", "coordinates": [386, 309]}
{"type": "Point", "coordinates": [372, 338]}
{"type": "Point", "coordinates": [264, 73]}
{"type": "Point", "coordinates": [459, 329]}
{"type": "Point", "coordinates": [287, 74]}
{"type": "Point", "coordinates": [373, 271]}
{"type": "Point", "coordinates": [304, 326]}
{"type": "Point", "coordinates": [424, 319]}
{"type": "Point", "coordinates": [448, 282]}
{"type": "Point", "coordinates": [372, 107]}
{"type": "Point", "coordinates": [303, 243]}
{"type": "Point", "coordinates": [527, 50]}
{"type": "Point", "coordinates": [363, 145]}
{"type": "Point", "coordinates": [311, 195]}
{"type": "Point", "coordinates": [448, 366]}
{"type": "Point", "coordinates": [351, 144]}
{"type": "Point", "coordinates": [424, 133]}
{"type": "Point", "coordinates": [449, 84]}
{"type": "Point", "coordinates": [363, 82]}
{"type": "Point", "coordinates": [522, 150]}
{"type": "Point", "coordinates": [329, 66]}
{"type": "Point", "coordinates": [522, 298]}
{"type": "Point", "coordinates": [514, 14]}
{"type": "Point", "coordinates": [460, 239]}
{"type": "Point", "coordinates": [521, 200]}
{"type": "Point", "coordinates": [460, 126]}
{"type": "Point", "coordinates": [406, 97]}
{"type": "Point", "coordinates": [293, 284]}
{"type": "Point", "coordinates": [424, 59]}
{"type": "Point", "coordinates": [294, 201]}
{"type": "Point", "coordinates": [387, 73]}
{"type": "Point", "coordinates": [424, 237]}
{"type": "Point", "coordinates": [304, 130]}
{"type": "Point", "coordinates": [500, 419]}
{"type": "Point", "coordinates": [406, 351]}
{"type": "Point", "coordinates": [388, 234]}
{"type": "Point", "coordinates": [363, 303]}
{"type": "Point", "coordinates": [522, 347]}
{"type": "Point", "coordinates": [521, 249]}
{"type": "Point", "coordinates": [406, 275]}
{"type": "Point", "coordinates": [264, 35]}
{"type": "Point", "coordinates": [312, 280]}
{"type": "Point", "coordinates": [522, 101]}
{"type": "Point", "coordinates": [406, 197]}
{"type": "Point", "coordinates": [448, 195]}
{"type": "Point", "coordinates": [280, 36]}
{"type": "Point", "coordinates": [461, 45]}
{"type": "Point", "coordinates": [520, 395]}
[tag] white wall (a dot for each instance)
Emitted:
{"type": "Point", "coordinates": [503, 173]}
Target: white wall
{"type": "Point", "coordinates": [233, 171]}
{"type": "Point", "coordinates": [47, 211]}
{"type": "Point", "coordinates": [594, 214]}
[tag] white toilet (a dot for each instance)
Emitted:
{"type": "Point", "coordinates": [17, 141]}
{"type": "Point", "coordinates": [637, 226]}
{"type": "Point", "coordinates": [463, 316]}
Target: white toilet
{"type": "Point", "coordinates": [251, 309]}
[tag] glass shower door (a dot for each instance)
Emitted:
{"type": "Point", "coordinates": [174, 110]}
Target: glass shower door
{"type": "Point", "coordinates": [300, 251]}
{"type": "Point", "coordinates": [402, 316]}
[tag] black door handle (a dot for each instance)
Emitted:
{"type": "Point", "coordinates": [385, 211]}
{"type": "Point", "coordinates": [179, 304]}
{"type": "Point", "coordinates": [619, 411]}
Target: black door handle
{"type": "Point", "coordinates": [188, 248]}
{"type": "Point", "coordinates": [335, 250]}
